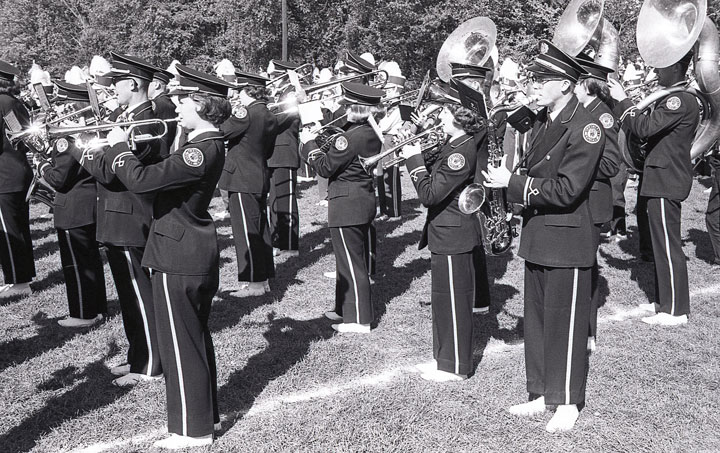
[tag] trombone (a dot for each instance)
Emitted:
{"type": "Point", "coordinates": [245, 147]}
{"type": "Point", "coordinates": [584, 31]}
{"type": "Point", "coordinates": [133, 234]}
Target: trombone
{"type": "Point", "coordinates": [430, 138]}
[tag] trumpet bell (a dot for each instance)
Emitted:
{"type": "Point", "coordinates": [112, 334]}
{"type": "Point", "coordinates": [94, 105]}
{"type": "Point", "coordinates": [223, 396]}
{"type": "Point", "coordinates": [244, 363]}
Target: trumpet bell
{"type": "Point", "coordinates": [472, 198]}
{"type": "Point", "coordinates": [668, 29]}
{"type": "Point", "coordinates": [472, 43]}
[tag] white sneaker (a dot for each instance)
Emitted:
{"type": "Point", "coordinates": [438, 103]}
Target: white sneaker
{"type": "Point", "coordinates": [304, 179]}
{"type": "Point", "coordinates": [120, 370]}
{"type": "Point", "coordinates": [481, 310]}
{"type": "Point", "coordinates": [249, 289]}
{"type": "Point", "coordinates": [16, 289]}
{"type": "Point", "coordinates": [650, 307]}
{"type": "Point", "coordinates": [220, 216]}
{"type": "Point", "coordinates": [591, 345]}
{"type": "Point", "coordinates": [323, 203]}
{"type": "Point", "coordinates": [564, 419]}
{"type": "Point", "coordinates": [529, 409]}
{"type": "Point", "coordinates": [351, 327]}
{"type": "Point", "coordinates": [331, 274]}
{"type": "Point", "coordinates": [176, 442]}
{"type": "Point", "coordinates": [332, 316]}
{"type": "Point", "coordinates": [665, 319]}
{"type": "Point", "coordinates": [79, 322]}
{"type": "Point", "coordinates": [133, 379]}
{"type": "Point", "coordinates": [442, 376]}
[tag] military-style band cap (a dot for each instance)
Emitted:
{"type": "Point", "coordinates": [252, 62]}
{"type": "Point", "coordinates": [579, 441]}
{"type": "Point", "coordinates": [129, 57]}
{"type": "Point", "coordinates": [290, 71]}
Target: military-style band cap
{"type": "Point", "coordinates": [360, 94]}
{"type": "Point", "coordinates": [130, 66]}
{"type": "Point", "coordinates": [468, 70]}
{"type": "Point", "coordinates": [248, 78]}
{"type": "Point", "coordinates": [282, 65]}
{"type": "Point", "coordinates": [71, 92]}
{"type": "Point", "coordinates": [191, 81]}
{"type": "Point", "coordinates": [163, 76]}
{"type": "Point", "coordinates": [554, 62]}
{"type": "Point", "coordinates": [593, 70]}
{"type": "Point", "coordinates": [356, 63]}
{"type": "Point", "coordinates": [8, 71]}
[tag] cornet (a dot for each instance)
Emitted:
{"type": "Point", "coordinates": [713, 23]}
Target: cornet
{"type": "Point", "coordinates": [430, 139]}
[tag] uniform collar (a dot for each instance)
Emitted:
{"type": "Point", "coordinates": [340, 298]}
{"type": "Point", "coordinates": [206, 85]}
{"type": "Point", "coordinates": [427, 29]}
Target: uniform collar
{"type": "Point", "coordinates": [197, 132]}
{"type": "Point", "coordinates": [459, 141]}
{"type": "Point", "coordinates": [137, 108]}
{"type": "Point", "coordinates": [594, 104]}
{"type": "Point", "coordinates": [205, 135]}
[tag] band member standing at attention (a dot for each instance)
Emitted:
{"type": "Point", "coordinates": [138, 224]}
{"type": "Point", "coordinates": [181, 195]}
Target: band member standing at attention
{"type": "Point", "coordinates": [74, 210]}
{"type": "Point", "coordinates": [558, 240]}
{"type": "Point", "coordinates": [250, 133]}
{"type": "Point", "coordinates": [666, 182]}
{"type": "Point", "coordinates": [182, 252]}
{"type": "Point", "coordinates": [16, 252]}
{"type": "Point", "coordinates": [593, 93]}
{"type": "Point", "coordinates": [123, 222]}
{"type": "Point", "coordinates": [388, 182]}
{"type": "Point", "coordinates": [351, 207]}
{"type": "Point", "coordinates": [451, 237]}
{"type": "Point", "coordinates": [283, 165]}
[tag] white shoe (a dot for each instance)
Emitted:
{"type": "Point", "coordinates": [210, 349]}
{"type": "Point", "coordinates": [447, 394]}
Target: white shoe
{"type": "Point", "coordinates": [248, 289]}
{"type": "Point", "coordinates": [591, 346]}
{"type": "Point", "coordinates": [529, 409]}
{"type": "Point", "coordinates": [323, 203]}
{"type": "Point", "coordinates": [120, 370]}
{"type": "Point", "coordinates": [217, 426]}
{"type": "Point", "coordinates": [331, 274]}
{"type": "Point", "coordinates": [304, 179]}
{"type": "Point", "coordinates": [649, 307]}
{"type": "Point", "coordinates": [220, 216]}
{"type": "Point", "coordinates": [176, 442]}
{"type": "Point", "coordinates": [16, 289]}
{"type": "Point", "coordinates": [133, 379]}
{"type": "Point", "coordinates": [351, 327]}
{"type": "Point", "coordinates": [620, 237]}
{"type": "Point", "coordinates": [79, 322]}
{"type": "Point", "coordinates": [665, 319]}
{"type": "Point", "coordinates": [481, 310]}
{"type": "Point", "coordinates": [332, 316]}
{"type": "Point", "coordinates": [564, 419]}
{"type": "Point", "coordinates": [427, 367]}
{"type": "Point", "coordinates": [279, 252]}
{"type": "Point", "coordinates": [442, 376]}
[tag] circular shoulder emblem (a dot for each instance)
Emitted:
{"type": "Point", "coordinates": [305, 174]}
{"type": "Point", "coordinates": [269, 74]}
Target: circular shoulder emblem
{"type": "Point", "coordinates": [61, 145]}
{"type": "Point", "coordinates": [607, 120]}
{"type": "Point", "coordinates": [240, 112]}
{"type": "Point", "coordinates": [591, 133]}
{"type": "Point", "coordinates": [673, 103]}
{"type": "Point", "coordinates": [193, 157]}
{"type": "Point", "coordinates": [456, 161]}
{"type": "Point", "coordinates": [341, 143]}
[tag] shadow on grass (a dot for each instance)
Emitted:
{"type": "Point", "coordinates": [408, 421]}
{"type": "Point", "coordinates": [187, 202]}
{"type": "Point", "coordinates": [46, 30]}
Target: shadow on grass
{"type": "Point", "coordinates": [93, 390]}
{"type": "Point", "coordinates": [641, 272]}
{"type": "Point", "coordinates": [703, 246]}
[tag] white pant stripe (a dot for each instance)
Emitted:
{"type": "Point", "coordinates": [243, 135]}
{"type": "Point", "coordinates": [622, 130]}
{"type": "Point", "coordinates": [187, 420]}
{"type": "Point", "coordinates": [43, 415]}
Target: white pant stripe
{"type": "Point", "coordinates": [10, 252]}
{"type": "Point", "coordinates": [290, 206]}
{"type": "Point", "coordinates": [141, 303]}
{"type": "Point", "coordinates": [396, 189]}
{"type": "Point", "coordinates": [247, 238]}
{"type": "Point", "coordinates": [352, 274]}
{"type": "Point", "coordinates": [669, 258]}
{"type": "Point", "coordinates": [454, 314]}
{"type": "Point", "coordinates": [178, 362]}
{"type": "Point", "coordinates": [77, 273]}
{"type": "Point", "coordinates": [571, 332]}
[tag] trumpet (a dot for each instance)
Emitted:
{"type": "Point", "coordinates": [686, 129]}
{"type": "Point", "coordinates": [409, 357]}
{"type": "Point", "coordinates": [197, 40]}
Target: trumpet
{"type": "Point", "coordinates": [430, 138]}
{"type": "Point", "coordinates": [381, 74]}
{"type": "Point", "coordinates": [81, 111]}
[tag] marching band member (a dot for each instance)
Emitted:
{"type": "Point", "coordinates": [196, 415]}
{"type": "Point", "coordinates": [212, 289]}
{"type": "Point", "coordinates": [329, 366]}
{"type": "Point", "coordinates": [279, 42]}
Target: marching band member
{"type": "Point", "coordinates": [351, 207]}
{"type": "Point", "coordinates": [667, 179]}
{"type": "Point", "coordinates": [182, 252]}
{"type": "Point", "coordinates": [74, 210]}
{"type": "Point", "coordinates": [593, 93]}
{"type": "Point", "coordinates": [558, 239]}
{"type": "Point", "coordinates": [251, 133]}
{"type": "Point", "coordinates": [16, 251]}
{"type": "Point", "coordinates": [451, 237]}
{"type": "Point", "coordinates": [283, 165]}
{"type": "Point", "coordinates": [163, 106]}
{"type": "Point", "coordinates": [388, 181]}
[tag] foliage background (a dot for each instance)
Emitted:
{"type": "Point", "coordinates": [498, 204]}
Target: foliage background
{"type": "Point", "coordinates": [60, 33]}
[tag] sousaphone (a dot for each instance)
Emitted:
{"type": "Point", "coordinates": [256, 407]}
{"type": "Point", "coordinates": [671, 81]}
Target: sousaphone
{"type": "Point", "coordinates": [471, 43]}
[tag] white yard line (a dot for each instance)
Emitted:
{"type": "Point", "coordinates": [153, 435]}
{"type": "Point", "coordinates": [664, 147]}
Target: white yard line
{"type": "Point", "coordinates": [138, 439]}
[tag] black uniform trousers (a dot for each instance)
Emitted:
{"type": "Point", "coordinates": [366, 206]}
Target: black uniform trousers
{"type": "Point", "coordinates": [305, 170]}
{"type": "Point", "coordinates": [453, 295]}
{"type": "Point", "coordinates": [284, 220]}
{"type": "Point", "coordinates": [253, 244]}
{"type": "Point", "coordinates": [595, 281]}
{"type": "Point", "coordinates": [712, 215]}
{"type": "Point", "coordinates": [370, 247]}
{"type": "Point", "coordinates": [482, 284]}
{"type": "Point", "coordinates": [135, 294]}
{"type": "Point", "coordinates": [618, 183]}
{"type": "Point", "coordinates": [83, 271]}
{"type": "Point", "coordinates": [557, 315]}
{"type": "Point", "coordinates": [390, 191]}
{"type": "Point", "coordinates": [671, 277]}
{"type": "Point", "coordinates": [352, 284]}
{"type": "Point", "coordinates": [186, 349]}
{"type": "Point", "coordinates": [641, 212]}
{"type": "Point", "coordinates": [16, 251]}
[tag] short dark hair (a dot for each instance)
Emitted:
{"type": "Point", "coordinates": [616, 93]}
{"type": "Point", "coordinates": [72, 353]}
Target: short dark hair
{"type": "Point", "coordinates": [213, 109]}
{"type": "Point", "coordinates": [466, 119]}
{"type": "Point", "coordinates": [600, 89]}
{"type": "Point", "coordinates": [11, 87]}
{"type": "Point", "coordinates": [257, 92]}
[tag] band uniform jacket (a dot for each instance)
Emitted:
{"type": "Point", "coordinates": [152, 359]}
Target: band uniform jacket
{"type": "Point", "coordinates": [182, 239]}
{"type": "Point", "coordinates": [123, 218]}
{"type": "Point", "coordinates": [250, 133]}
{"type": "Point", "coordinates": [601, 197]}
{"type": "Point", "coordinates": [164, 109]}
{"type": "Point", "coordinates": [75, 201]}
{"type": "Point", "coordinates": [561, 166]}
{"type": "Point", "coordinates": [669, 130]}
{"type": "Point", "coordinates": [285, 154]}
{"type": "Point", "coordinates": [447, 230]}
{"type": "Point", "coordinates": [351, 195]}
{"type": "Point", "coordinates": [15, 171]}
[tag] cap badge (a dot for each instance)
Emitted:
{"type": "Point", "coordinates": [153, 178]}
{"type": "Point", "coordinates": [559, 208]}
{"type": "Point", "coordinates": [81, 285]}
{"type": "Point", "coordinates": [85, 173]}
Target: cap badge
{"type": "Point", "coordinates": [607, 120]}
{"type": "Point", "coordinates": [544, 48]}
{"type": "Point", "coordinates": [61, 145]}
{"type": "Point", "coordinates": [456, 161]}
{"type": "Point", "coordinates": [673, 103]}
{"type": "Point", "coordinates": [240, 112]}
{"type": "Point", "coordinates": [193, 157]}
{"type": "Point", "coordinates": [591, 133]}
{"type": "Point", "coordinates": [341, 143]}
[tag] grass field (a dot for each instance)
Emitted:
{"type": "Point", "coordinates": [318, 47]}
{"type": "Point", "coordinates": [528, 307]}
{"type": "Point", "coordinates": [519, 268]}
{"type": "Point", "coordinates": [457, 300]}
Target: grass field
{"type": "Point", "coordinates": [288, 383]}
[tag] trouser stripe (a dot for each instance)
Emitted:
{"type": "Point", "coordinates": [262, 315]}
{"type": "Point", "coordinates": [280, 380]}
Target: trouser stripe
{"type": "Point", "coordinates": [352, 274]}
{"type": "Point", "coordinates": [77, 274]}
{"type": "Point", "coordinates": [10, 252]}
{"type": "Point", "coordinates": [141, 304]}
{"type": "Point", "coordinates": [290, 210]}
{"type": "Point", "coordinates": [247, 239]}
{"type": "Point", "coordinates": [669, 257]}
{"type": "Point", "coordinates": [571, 333]}
{"type": "Point", "coordinates": [178, 362]}
{"type": "Point", "coordinates": [454, 314]}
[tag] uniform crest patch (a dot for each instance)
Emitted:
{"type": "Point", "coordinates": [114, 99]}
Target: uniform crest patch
{"type": "Point", "coordinates": [62, 145]}
{"type": "Point", "coordinates": [240, 112]}
{"type": "Point", "coordinates": [607, 120]}
{"type": "Point", "coordinates": [591, 133]}
{"type": "Point", "coordinates": [456, 161]}
{"type": "Point", "coordinates": [341, 143]}
{"type": "Point", "coordinates": [193, 157]}
{"type": "Point", "coordinates": [673, 103]}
